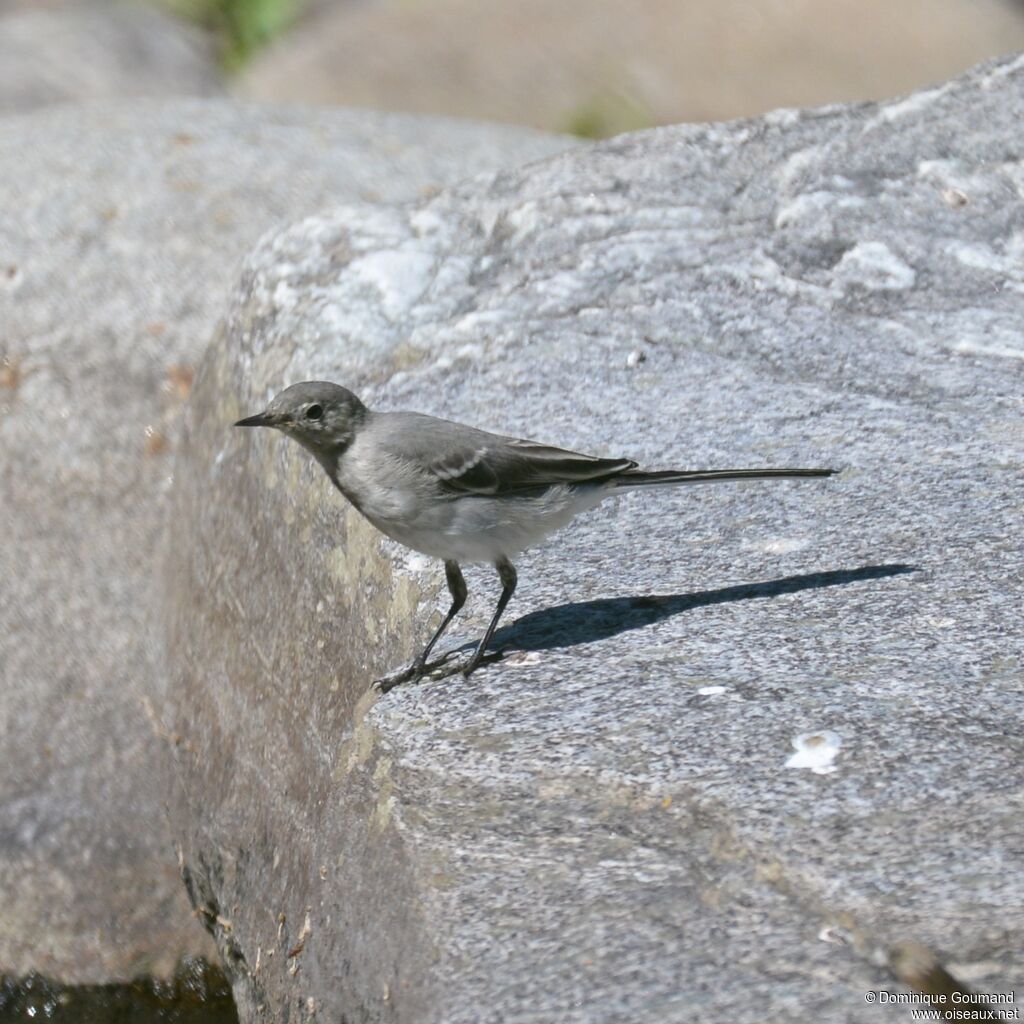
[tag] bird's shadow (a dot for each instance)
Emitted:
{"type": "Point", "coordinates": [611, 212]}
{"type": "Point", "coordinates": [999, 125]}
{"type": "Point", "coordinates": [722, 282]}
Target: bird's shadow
{"type": "Point", "coordinates": [582, 622]}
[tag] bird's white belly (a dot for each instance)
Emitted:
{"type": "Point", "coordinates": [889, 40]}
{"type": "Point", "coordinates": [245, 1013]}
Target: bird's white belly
{"type": "Point", "coordinates": [480, 529]}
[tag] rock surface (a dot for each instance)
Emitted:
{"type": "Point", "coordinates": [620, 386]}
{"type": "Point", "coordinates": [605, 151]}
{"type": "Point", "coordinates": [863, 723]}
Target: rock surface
{"type": "Point", "coordinates": [100, 51]}
{"type": "Point", "coordinates": [601, 66]}
{"type": "Point", "coordinates": [610, 825]}
{"type": "Point", "coordinates": [121, 231]}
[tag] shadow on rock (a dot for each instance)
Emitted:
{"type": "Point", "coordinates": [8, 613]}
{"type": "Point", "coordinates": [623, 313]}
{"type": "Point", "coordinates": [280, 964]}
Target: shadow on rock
{"type": "Point", "coordinates": [582, 622]}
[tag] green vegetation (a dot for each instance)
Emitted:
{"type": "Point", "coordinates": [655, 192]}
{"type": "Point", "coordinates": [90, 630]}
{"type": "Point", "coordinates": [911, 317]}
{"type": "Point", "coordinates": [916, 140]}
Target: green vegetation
{"type": "Point", "coordinates": [609, 112]}
{"type": "Point", "coordinates": [242, 26]}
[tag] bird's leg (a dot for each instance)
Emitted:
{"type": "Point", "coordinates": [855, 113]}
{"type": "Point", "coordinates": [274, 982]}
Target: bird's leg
{"type": "Point", "coordinates": [418, 667]}
{"type": "Point", "coordinates": [507, 573]}
{"type": "Point", "coordinates": [448, 664]}
{"type": "Point", "coordinates": [457, 588]}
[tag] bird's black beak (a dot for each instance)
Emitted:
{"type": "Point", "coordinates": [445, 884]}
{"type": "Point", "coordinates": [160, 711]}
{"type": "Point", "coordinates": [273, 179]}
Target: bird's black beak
{"type": "Point", "coordinates": [261, 419]}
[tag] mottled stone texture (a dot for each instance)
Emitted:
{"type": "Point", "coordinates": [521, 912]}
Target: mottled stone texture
{"type": "Point", "coordinates": [122, 228]}
{"type": "Point", "coordinates": [603, 828]}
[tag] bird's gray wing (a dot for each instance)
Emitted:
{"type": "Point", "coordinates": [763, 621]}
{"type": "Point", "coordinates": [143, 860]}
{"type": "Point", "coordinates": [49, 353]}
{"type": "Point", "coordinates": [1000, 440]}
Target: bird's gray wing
{"type": "Point", "coordinates": [493, 465]}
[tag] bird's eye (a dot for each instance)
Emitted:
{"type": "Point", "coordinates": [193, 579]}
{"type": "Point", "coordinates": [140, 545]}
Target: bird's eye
{"type": "Point", "coordinates": [314, 412]}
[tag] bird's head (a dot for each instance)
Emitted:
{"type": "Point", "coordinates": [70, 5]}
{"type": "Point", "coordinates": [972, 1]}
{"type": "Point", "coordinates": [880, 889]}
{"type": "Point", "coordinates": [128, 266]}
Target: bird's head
{"type": "Point", "coordinates": [321, 416]}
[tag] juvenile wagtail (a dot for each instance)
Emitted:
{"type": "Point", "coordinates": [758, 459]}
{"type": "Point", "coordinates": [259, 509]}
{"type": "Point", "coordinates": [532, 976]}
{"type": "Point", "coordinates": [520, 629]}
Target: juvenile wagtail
{"type": "Point", "coordinates": [457, 493]}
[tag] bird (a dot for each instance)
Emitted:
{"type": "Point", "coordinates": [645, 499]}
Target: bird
{"type": "Point", "coordinates": [457, 493]}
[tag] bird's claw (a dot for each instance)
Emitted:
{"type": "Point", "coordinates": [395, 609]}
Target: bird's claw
{"type": "Point", "coordinates": [452, 663]}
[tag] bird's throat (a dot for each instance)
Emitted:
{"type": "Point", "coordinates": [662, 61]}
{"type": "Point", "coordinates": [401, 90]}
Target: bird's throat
{"type": "Point", "coordinates": [331, 461]}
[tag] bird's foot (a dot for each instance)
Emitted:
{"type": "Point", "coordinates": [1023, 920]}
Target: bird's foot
{"type": "Point", "coordinates": [450, 664]}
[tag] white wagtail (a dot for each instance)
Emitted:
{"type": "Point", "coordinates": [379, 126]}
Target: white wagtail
{"type": "Point", "coordinates": [457, 493]}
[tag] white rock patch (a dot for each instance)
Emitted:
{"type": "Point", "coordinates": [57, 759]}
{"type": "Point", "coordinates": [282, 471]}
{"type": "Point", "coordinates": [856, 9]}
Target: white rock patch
{"type": "Point", "coordinates": [874, 266]}
{"type": "Point", "coordinates": [777, 545]}
{"type": "Point", "coordinates": [815, 750]}
{"type": "Point", "coordinates": [400, 276]}
{"type": "Point", "coordinates": [813, 208]}
{"type": "Point", "coordinates": [903, 108]}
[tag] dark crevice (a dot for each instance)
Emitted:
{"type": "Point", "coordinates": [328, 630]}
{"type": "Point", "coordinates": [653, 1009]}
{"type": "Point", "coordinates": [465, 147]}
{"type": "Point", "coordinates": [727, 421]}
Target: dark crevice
{"type": "Point", "coordinates": [198, 993]}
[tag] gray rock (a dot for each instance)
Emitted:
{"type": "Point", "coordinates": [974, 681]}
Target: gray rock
{"type": "Point", "coordinates": [121, 231]}
{"type": "Point", "coordinates": [604, 826]}
{"type": "Point", "coordinates": [602, 66]}
{"type": "Point", "coordinates": [100, 51]}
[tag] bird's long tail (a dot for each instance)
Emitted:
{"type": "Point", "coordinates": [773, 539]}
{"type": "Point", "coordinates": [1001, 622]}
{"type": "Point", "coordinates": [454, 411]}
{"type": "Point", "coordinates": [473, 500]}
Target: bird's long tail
{"type": "Point", "coordinates": [674, 477]}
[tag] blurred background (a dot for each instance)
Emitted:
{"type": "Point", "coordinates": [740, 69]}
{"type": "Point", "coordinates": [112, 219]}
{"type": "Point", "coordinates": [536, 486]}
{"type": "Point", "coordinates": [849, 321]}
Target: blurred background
{"type": "Point", "coordinates": [590, 67]}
